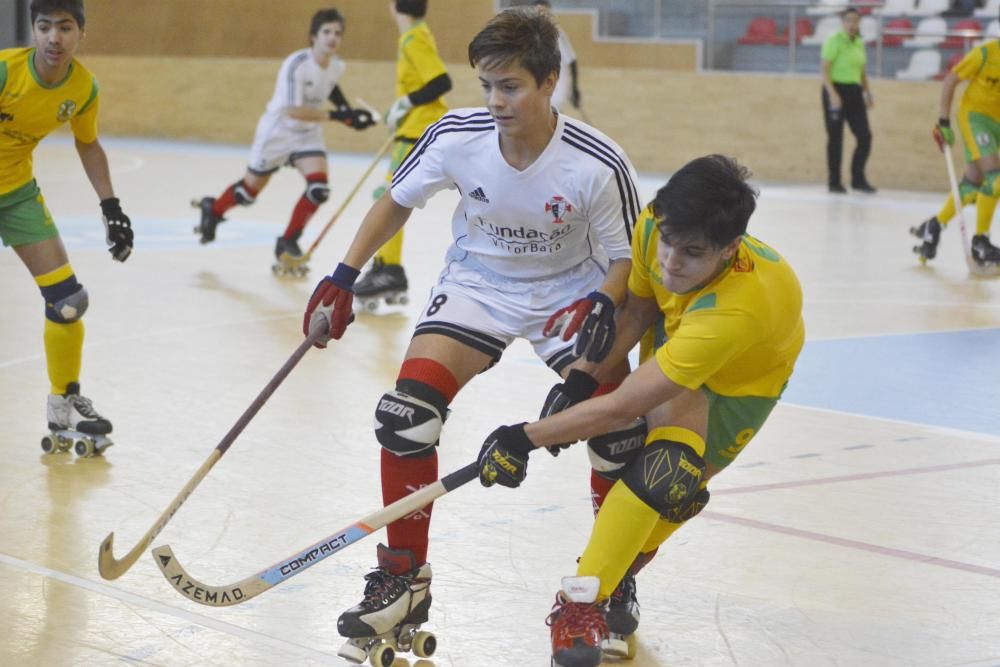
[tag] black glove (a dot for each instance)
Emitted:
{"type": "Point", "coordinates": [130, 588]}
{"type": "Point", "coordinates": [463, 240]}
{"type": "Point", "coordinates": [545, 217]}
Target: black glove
{"type": "Point", "coordinates": [359, 119]}
{"type": "Point", "coordinates": [503, 458]}
{"type": "Point", "coordinates": [576, 388]}
{"type": "Point", "coordinates": [118, 229]}
{"type": "Point", "coordinates": [592, 319]}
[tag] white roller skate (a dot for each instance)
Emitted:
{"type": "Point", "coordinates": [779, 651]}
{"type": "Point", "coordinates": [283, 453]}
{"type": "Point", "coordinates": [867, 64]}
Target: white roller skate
{"type": "Point", "coordinates": [291, 262]}
{"type": "Point", "coordinates": [381, 283]}
{"type": "Point", "coordinates": [387, 621]}
{"type": "Point", "coordinates": [75, 424]}
{"type": "Point", "coordinates": [209, 220]}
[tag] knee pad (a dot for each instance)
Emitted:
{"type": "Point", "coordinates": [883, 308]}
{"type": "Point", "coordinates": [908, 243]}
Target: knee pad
{"type": "Point", "coordinates": [991, 184]}
{"type": "Point", "coordinates": [408, 420]}
{"type": "Point", "coordinates": [667, 475]}
{"type": "Point", "coordinates": [244, 196]}
{"type": "Point", "coordinates": [317, 190]}
{"type": "Point", "coordinates": [611, 453]}
{"type": "Point", "coordinates": [968, 191]}
{"type": "Point", "coordinates": [66, 301]}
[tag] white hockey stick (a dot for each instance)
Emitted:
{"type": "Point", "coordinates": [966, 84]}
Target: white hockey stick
{"type": "Point", "coordinates": [111, 567]}
{"type": "Point", "coordinates": [268, 578]}
{"type": "Point", "coordinates": [957, 197]}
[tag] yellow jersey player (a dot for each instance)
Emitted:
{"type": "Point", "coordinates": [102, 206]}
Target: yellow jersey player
{"type": "Point", "coordinates": [42, 87]}
{"type": "Point", "coordinates": [732, 314]}
{"type": "Point", "coordinates": [979, 125]}
{"type": "Point", "coordinates": [421, 82]}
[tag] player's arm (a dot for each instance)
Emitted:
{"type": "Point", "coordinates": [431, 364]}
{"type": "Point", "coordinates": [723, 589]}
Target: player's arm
{"type": "Point", "coordinates": [359, 119]}
{"type": "Point", "coordinates": [95, 164]}
{"type": "Point", "coordinates": [117, 226]}
{"type": "Point", "coordinates": [425, 59]}
{"type": "Point", "coordinates": [632, 320]}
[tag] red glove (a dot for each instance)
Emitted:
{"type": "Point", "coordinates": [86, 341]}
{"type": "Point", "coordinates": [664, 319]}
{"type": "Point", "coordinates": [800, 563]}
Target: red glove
{"type": "Point", "coordinates": [594, 318]}
{"type": "Point", "coordinates": [332, 300]}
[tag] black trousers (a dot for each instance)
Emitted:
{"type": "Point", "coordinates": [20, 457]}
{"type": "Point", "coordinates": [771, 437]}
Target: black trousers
{"type": "Point", "coordinates": [856, 115]}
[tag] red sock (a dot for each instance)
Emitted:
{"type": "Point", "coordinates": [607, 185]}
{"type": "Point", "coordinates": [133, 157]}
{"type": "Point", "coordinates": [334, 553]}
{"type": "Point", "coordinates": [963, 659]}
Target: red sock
{"type": "Point", "coordinates": [304, 209]}
{"type": "Point", "coordinates": [599, 488]}
{"type": "Point", "coordinates": [227, 199]}
{"type": "Point", "coordinates": [402, 476]}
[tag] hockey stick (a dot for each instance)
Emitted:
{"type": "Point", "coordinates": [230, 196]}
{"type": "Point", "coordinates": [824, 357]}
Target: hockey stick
{"type": "Point", "coordinates": [957, 197]}
{"type": "Point", "coordinates": [111, 567]}
{"type": "Point", "coordinates": [304, 259]}
{"type": "Point", "coordinates": [254, 585]}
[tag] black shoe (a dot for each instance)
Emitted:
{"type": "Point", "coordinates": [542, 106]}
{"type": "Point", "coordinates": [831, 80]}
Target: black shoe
{"type": "Point", "coordinates": [864, 186]}
{"type": "Point", "coordinates": [209, 220]}
{"type": "Point", "coordinates": [288, 247]}
{"type": "Point", "coordinates": [837, 189]}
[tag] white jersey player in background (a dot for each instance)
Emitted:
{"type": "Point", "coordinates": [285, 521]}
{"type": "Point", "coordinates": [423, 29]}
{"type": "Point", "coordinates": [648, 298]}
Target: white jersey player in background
{"type": "Point", "coordinates": [289, 132]}
{"type": "Point", "coordinates": [543, 226]}
{"type": "Point", "coordinates": [567, 87]}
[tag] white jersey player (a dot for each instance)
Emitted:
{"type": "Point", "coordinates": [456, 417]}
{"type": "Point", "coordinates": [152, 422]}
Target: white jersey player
{"type": "Point", "coordinates": [289, 133]}
{"type": "Point", "coordinates": [567, 88]}
{"type": "Point", "coordinates": [543, 226]}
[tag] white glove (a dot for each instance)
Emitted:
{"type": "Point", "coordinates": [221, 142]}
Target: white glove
{"type": "Point", "coordinates": [397, 112]}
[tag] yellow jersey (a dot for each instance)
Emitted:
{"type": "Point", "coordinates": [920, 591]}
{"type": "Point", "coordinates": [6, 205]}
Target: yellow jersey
{"type": "Point", "coordinates": [740, 334]}
{"type": "Point", "coordinates": [30, 109]}
{"type": "Point", "coordinates": [981, 68]}
{"type": "Point", "coordinates": [418, 63]}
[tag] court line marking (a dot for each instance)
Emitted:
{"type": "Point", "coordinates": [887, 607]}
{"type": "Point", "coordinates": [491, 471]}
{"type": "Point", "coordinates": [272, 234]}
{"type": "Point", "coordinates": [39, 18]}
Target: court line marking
{"type": "Point", "coordinates": [855, 544]}
{"type": "Point", "coordinates": [152, 605]}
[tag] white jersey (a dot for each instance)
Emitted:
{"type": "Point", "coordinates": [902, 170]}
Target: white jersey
{"type": "Point", "coordinates": [565, 84]}
{"type": "Point", "coordinates": [302, 82]}
{"type": "Point", "coordinates": [577, 201]}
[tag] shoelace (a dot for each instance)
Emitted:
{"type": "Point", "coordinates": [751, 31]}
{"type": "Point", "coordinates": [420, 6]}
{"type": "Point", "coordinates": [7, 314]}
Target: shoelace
{"type": "Point", "coordinates": [85, 407]}
{"type": "Point", "coordinates": [380, 586]}
{"type": "Point", "coordinates": [578, 617]}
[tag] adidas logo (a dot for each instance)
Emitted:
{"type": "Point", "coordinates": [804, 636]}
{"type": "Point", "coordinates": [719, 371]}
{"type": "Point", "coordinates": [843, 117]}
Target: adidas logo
{"type": "Point", "coordinates": [479, 195]}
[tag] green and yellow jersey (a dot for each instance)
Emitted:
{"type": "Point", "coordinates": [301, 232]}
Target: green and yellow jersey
{"type": "Point", "coordinates": [31, 109]}
{"type": "Point", "coordinates": [739, 335]}
{"type": "Point", "coordinates": [418, 63]}
{"type": "Point", "coordinates": [981, 68]}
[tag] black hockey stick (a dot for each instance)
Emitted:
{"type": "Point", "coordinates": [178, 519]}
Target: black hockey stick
{"type": "Point", "coordinates": [268, 578]}
{"type": "Point", "coordinates": [111, 567]}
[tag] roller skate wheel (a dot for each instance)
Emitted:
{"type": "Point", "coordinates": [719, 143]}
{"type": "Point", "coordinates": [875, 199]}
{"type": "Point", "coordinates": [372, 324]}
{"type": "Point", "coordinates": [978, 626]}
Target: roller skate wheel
{"type": "Point", "coordinates": [352, 653]}
{"type": "Point", "coordinates": [370, 305]}
{"type": "Point", "coordinates": [49, 446]}
{"type": "Point", "coordinates": [84, 448]}
{"type": "Point", "coordinates": [63, 443]}
{"type": "Point", "coordinates": [382, 655]}
{"type": "Point", "coordinates": [403, 300]}
{"type": "Point", "coordinates": [424, 644]}
{"type": "Point", "coordinates": [620, 646]}
{"type": "Point", "coordinates": [276, 269]}
{"type": "Point", "coordinates": [923, 260]}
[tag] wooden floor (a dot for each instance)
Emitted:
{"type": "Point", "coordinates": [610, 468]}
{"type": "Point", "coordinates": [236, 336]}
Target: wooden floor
{"type": "Point", "coordinates": [859, 529]}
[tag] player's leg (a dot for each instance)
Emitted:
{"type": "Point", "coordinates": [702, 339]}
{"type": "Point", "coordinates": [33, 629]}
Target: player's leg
{"type": "Point", "coordinates": [929, 231]}
{"type": "Point", "coordinates": [856, 115]}
{"type": "Point", "coordinates": [386, 277]}
{"type": "Point", "coordinates": [241, 193]}
{"type": "Point", "coordinates": [312, 165]}
{"type": "Point", "coordinates": [834, 123]}
{"type": "Point", "coordinates": [452, 343]}
{"type": "Point", "coordinates": [981, 136]}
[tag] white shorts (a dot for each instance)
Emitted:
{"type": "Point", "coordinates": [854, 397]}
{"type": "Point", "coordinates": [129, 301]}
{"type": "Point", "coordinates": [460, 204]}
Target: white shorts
{"type": "Point", "coordinates": [487, 311]}
{"type": "Point", "coordinates": [275, 144]}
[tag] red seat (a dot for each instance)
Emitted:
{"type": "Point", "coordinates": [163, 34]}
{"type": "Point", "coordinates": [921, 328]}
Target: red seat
{"type": "Point", "coordinates": [898, 25]}
{"type": "Point", "coordinates": [963, 42]}
{"type": "Point", "coordinates": [761, 30]}
{"type": "Point", "coordinates": [953, 60]}
{"type": "Point", "coordinates": [803, 28]}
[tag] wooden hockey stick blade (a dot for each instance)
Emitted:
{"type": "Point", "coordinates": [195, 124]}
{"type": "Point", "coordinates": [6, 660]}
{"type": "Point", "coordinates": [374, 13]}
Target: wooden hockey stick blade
{"type": "Point", "coordinates": [111, 567]}
{"type": "Point", "coordinates": [254, 585]}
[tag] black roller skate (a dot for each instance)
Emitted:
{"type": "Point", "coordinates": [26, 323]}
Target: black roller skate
{"type": "Point", "coordinates": [209, 220]}
{"type": "Point", "coordinates": [397, 599]}
{"type": "Point", "coordinates": [382, 282]}
{"type": "Point", "coordinates": [985, 254]}
{"type": "Point", "coordinates": [928, 231]}
{"type": "Point", "coordinates": [291, 261]}
{"type": "Point", "coordinates": [75, 424]}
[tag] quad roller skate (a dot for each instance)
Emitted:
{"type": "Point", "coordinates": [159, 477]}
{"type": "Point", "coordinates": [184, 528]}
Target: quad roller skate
{"type": "Point", "coordinates": [75, 424]}
{"type": "Point", "coordinates": [929, 232]}
{"type": "Point", "coordinates": [985, 254]}
{"type": "Point", "coordinates": [578, 625]}
{"type": "Point", "coordinates": [291, 262]}
{"type": "Point", "coordinates": [623, 619]}
{"type": "Point", "coordinates": [382, 282]}
{"type": "Point", "coordinates": [387, 621]}
{"type": "Point", "coordinates": [209, 220]}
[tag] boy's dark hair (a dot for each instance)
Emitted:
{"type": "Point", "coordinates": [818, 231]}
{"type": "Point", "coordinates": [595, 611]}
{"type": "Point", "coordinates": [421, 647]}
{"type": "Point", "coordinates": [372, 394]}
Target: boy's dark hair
{"type": "Point", "coordinates": [850, 10]}
{"type": "Point", "coordinates": [415, 8]}
{"type": "Point", "coordinates": [322, 17]}
{"type": "Point", "coordinates": [518, 36]}
{"type": "Point", "coordinates": [543, 3]}
{"type": "Point", "coordinates": [72, 7]}
{"type": "Point", "coordinates": [708, 197]}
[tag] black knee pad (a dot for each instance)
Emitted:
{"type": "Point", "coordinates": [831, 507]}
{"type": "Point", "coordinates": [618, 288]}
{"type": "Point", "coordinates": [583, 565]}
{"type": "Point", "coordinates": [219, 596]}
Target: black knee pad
{"type": "Point", "coordinates": [408, 420]}
{"type": "Point", "coordinates": [317, 192]}
{"type": "Point", "coordinates": [611, 453]}
{"type": "Point", "coordinates": [667, 476]}
{"type": "Point", "coordinates": [243, 195]}
{"type": "Point", "coordinates": [66, 301]}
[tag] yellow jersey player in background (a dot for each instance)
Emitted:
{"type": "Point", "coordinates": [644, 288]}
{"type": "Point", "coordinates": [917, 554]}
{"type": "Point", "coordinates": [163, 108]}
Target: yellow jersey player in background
{"type": "Point", "coordinates": [421, 82]}
{"type": "Point", "coordinates": [732, 314]}
{"type": "Point", "coordinates": [979, 125]}
{"type": "Point", "coordinates": [41, 88]}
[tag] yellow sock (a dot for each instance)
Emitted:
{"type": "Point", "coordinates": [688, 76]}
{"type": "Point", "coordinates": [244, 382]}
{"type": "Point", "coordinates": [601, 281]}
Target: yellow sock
{"type": "Point", "coordinates": [660, 533]}
{"type": "Point", "coordinates": [947, 211]}
{"type": "Point", "coordinates": [985, 206]}
{"type": "Point", "coordinates": [392, 251]}
{"type": "Point", "coordinates": [63, 353]}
